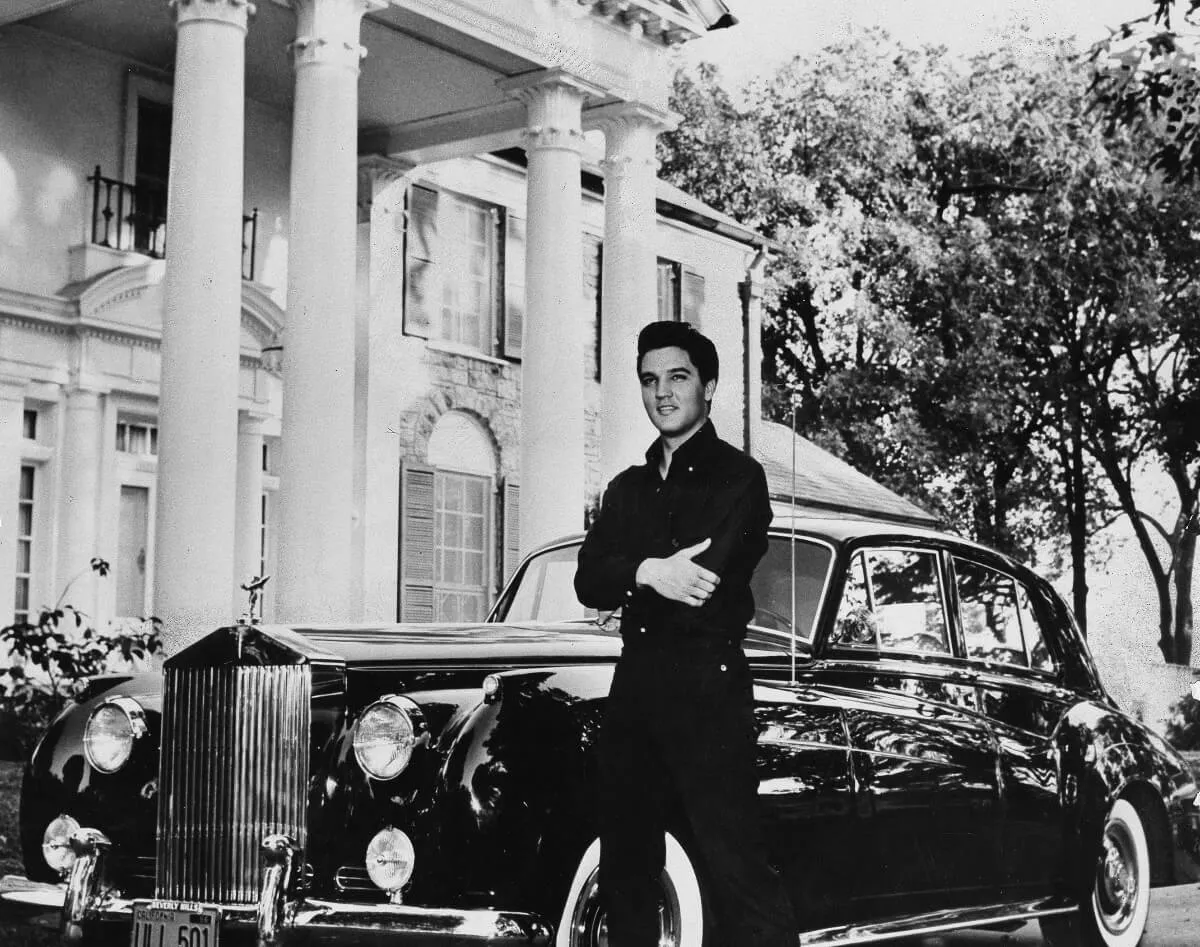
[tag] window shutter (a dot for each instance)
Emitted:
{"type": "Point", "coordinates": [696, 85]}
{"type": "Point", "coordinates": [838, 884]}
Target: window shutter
{"type": "Point", "coordinates": [422, 283]}
{"type": "Point", "coordinates": [416, 543]}
{"type": "Point", "coordinates": [511, 527]}
{"type": "Point", "coordinates": [593, 268]}
{"type": "Point", "coordinates": [693, 297]}
{"type": "Point", "coordinates": [514, 286]}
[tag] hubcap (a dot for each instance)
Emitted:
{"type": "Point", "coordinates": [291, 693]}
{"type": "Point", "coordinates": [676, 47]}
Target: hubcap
{"type": "Point", "coordinates": [589, 923]}
{"type": "Point", "coordinates": [1117, 882]}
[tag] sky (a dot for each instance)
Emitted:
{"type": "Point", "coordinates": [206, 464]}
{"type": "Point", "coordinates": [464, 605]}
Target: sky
{"type": "Point", "coordinates": [770, 32]}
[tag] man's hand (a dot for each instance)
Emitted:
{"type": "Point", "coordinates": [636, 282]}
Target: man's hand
{"type": "Point", "coordinates": [678, 578]}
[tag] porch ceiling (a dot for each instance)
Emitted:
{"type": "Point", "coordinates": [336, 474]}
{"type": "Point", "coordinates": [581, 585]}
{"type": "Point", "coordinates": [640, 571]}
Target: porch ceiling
{"type": "Point", "coordinates": [416, 70]}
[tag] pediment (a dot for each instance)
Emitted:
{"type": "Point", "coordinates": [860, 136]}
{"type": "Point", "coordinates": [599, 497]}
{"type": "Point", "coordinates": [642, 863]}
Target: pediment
{"type": "Point", "coordinates": [130, 299]}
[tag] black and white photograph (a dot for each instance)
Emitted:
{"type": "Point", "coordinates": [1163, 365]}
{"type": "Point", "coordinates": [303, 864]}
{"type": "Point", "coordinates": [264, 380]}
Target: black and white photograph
{"type": "Point", "coordinates": [599, 473]}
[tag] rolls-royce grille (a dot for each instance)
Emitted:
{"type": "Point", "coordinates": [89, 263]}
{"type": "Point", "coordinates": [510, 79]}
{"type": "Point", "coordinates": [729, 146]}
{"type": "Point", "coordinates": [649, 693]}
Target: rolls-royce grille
{"type": "Point", "coordinates": [233, 769]}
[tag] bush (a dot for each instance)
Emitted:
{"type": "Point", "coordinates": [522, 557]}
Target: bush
{"type": "Point", "coordinates": [53, 658]}
{"type": "Point", "coordinates": [1183, 726]}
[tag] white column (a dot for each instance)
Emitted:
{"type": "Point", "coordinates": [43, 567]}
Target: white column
{"type": "Point", "coordinates": [630, 280]}
{"type": "Point", "coordinates": [79, 498]}
{"type": "Point", "coordinates": [197, 456]}
{"type": "Point", "coordinates": [248, 537]}
{"type": "Point", "coordinates": [552, 384]}
{"type": "Point", "coordinates": [316, 475]}
{"type": "Point", "coordinates": [12, 408]}
{"type": "Point", "coordinates": [382, 183]}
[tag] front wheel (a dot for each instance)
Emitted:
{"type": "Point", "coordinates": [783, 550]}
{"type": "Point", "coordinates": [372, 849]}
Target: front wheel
{"type": "Point", "coordinates": [1118, 904]}
{"type": "Point", "coordinates": [681, 914]}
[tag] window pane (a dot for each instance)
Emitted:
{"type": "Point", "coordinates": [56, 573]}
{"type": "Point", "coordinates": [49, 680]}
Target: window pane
{"type": "Point", "coordinates": [29, 421]}
{"type": "Point", "coordinates": [25, 520]}
{"type": "Point", "coordinates": [1035, 641]}
{"type": "Point", "coordinates": [26, 488]}
{"type": "Point", "coordinates": [24, 556]}
{"type": "Point", "coordinates": [772, 586]}
{"type": "Point", "coordinates": [908, 601]}
{"type": "Point", "coordinates": [987, 603]}
{"type": "Point", "coordinates": [855, 623]}
{"type": "Point", "coordinates": [21, 600]}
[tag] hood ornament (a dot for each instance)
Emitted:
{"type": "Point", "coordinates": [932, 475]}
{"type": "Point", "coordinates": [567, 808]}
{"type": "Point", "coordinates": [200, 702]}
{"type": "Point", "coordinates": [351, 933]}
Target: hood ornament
{"type": "Point", "coordinates": [253, 613]}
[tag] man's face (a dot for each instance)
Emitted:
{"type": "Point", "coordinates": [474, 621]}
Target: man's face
{"type": "Point", "coordinates": [673, 395]}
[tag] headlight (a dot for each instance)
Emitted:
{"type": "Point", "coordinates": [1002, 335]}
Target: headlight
{"type": "Point", "coordinates": [385, 736]}
{"type": "Point", "coordinates": [56, 844]}
{"type": "Point", "coordinates": [111, 731]}
{"type": "Point", "coordinates": [390, 859]}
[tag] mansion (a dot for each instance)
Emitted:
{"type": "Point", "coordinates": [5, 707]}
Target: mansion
{"type": "Point", "coordinates": [345, 292]}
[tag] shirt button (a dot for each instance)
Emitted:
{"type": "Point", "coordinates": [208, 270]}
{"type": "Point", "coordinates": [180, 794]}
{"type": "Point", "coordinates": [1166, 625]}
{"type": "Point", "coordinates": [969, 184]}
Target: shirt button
{"type": "Point", "coordinates": [628, 593]}
{"type": "Point", "coordinates": [690, 469]}
{"type": "Point", "coordinates": [675, 543]}
{"type": "Point", "coordinates": [642, 630]}
{"type": "Point", "coordinates": [723, 668]}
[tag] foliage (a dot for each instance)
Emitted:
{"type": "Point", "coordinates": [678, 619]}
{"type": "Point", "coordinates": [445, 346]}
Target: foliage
{"type": "Point", "coordinates": [54, 657]}
{"type": "Point", "coordinates": [17, 932]}
{"type": "Point", "coordinates": [1145, 79]}
{"type": "Point", "coordinates": [1183, 725]}
{"type": "Point", "coordinates": [978, 296]}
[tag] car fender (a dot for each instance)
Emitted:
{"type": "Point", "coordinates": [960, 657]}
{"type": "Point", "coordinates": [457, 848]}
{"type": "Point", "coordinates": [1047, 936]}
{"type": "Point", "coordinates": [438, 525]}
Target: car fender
{"type": "Point", "coordinates": [1105, 756]}
{"type": "Point", "coordinates": [516, 791]}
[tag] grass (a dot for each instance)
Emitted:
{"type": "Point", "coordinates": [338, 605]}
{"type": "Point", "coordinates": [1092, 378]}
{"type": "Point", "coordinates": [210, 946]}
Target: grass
{"type": "Point", "coordinates": [15, 934]}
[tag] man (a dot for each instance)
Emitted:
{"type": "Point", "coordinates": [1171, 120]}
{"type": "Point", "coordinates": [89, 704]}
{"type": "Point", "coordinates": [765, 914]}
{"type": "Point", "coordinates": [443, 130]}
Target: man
{"type": "Point", "coordinates": [674, 545]}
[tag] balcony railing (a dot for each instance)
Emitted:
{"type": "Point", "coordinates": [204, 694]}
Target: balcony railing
{"type": "Point", "coordinates": [133, 217]}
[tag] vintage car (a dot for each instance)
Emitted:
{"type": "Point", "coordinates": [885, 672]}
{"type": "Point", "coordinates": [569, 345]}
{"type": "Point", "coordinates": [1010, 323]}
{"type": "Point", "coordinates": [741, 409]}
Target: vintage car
{"type": "Point", "coordinates": [936, 752]}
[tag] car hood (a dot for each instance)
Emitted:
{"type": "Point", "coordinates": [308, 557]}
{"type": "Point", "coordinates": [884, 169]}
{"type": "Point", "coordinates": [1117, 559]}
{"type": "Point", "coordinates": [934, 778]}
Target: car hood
{"type": "Point", "coordinates": [540, 643]}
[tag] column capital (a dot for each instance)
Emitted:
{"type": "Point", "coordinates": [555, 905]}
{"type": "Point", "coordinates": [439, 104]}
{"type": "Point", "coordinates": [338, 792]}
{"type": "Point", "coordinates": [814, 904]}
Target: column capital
{"type": "Point", "coordinates": [230, 12]}
{"type": "Point", "coordinates": [615, 117]}
{"type": "Point", "coordinates": [379, 179]}
{"type": "Point", "coordinates": [327, 32]}
{"type": "Point", "coordinates": [553, 100]}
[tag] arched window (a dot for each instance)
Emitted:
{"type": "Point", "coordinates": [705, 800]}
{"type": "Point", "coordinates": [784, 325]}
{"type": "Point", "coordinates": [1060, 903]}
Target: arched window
{"type": "Point", "coordinates": [447, 562]}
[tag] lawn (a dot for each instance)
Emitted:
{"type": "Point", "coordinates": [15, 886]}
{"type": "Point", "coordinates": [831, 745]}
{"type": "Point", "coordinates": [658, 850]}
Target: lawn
{"type": "Point", "coordinates": [15, 935]}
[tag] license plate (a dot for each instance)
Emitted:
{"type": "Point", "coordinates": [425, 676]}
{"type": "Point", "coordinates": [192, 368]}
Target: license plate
{"type": "Point", "coordinates": [175, 926]}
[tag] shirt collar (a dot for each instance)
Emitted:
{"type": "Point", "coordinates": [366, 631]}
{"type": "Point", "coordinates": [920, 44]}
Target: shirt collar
{"type": "Point", "coordinates": [694, 449]}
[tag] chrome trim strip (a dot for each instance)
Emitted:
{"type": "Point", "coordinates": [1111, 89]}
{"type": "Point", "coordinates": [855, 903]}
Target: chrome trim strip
{"type": "Point", "coordinates": [937, 922]}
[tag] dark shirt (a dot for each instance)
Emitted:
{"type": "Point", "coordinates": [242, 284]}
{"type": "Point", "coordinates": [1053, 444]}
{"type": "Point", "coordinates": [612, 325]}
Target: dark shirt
{"type": "Point", "coordinates": [712, 491]}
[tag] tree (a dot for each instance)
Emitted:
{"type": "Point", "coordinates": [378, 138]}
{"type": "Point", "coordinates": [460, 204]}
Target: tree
{"type": "Point", "coordinates": [981, 298]}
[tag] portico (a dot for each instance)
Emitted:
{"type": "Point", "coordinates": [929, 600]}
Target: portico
{"type": "Point", "coordinates": [378, 97]}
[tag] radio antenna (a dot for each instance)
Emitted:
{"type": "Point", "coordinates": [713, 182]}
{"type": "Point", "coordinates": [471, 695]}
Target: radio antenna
{"type": "Point", "coordinates": [792, 543]}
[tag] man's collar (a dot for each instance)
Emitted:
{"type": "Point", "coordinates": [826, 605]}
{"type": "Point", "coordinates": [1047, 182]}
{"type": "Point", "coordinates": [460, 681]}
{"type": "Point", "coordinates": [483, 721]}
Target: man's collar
{"type": "Point", "coordinates": [695, 447]}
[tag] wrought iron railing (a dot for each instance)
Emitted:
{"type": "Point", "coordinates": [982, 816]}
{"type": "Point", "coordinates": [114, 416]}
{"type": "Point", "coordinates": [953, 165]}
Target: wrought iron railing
{"type": "Point", "coordinates": [134, 217]}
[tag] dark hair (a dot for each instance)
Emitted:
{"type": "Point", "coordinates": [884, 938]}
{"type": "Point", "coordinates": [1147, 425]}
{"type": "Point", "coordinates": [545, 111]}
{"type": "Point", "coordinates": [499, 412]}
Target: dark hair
{"type": "Point", "coordinates": [683, 335]}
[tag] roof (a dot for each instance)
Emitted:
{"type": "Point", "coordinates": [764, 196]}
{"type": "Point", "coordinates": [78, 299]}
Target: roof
{"type": "Point", "coordinates": [676, 204]}
{"type": "Point", "coordinates": [826, 484]}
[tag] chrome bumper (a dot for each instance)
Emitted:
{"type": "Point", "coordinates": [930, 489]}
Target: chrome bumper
{"type": "Point", "coordinates": [334, 921]}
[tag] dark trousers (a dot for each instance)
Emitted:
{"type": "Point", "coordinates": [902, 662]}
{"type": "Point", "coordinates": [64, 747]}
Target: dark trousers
{"type": "Point", "coordinates": [679, 731]}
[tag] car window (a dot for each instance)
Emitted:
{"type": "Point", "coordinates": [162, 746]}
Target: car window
{"type": "Point", "coordinates": [999, 622]}
{"type": "Point", "coordinates": [1035, 640]}
{"type": "Point", "coordinates": [893, 601]}
{"type": "Point", "coordinates": [546, 590]}
{"type": "Point", "coordinates": [772, 585]}
{"type": "Point", "coordinates": [987, 602]}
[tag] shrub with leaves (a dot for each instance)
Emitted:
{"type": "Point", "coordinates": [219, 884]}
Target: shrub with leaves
{"type": "Point", "coordinates": [53, 658]}
{"type": "Point", "coordinates": [1183, 726]}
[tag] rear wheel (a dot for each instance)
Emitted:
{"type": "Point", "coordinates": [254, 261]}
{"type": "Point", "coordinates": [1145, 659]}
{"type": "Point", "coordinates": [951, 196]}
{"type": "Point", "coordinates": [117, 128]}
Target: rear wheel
{"type": "Point", "coordinates": [1115, 910]}
{"type": "Point", "coordinates": [681, 914]}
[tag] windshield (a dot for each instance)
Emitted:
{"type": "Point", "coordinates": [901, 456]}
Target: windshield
{"type": "Point", "coordinates": [545, 589]}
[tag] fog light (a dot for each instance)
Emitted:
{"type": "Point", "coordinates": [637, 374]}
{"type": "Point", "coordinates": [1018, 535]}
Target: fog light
{"type": "Point", "coordinates": [56, 844]}
{"type": "Point", "coordinates": [390, 858]}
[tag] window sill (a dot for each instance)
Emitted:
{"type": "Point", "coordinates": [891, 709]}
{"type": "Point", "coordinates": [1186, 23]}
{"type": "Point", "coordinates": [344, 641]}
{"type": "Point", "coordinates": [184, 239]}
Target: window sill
{"type": "Point", "coordinates": [451, 348]}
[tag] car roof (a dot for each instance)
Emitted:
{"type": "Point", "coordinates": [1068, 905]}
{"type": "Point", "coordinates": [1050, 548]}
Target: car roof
{"type": "Point", "coordinates": [853, 530]}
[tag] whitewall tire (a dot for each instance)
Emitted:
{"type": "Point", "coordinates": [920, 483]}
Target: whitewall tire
{"type": "Point", "coordinates": [681, 912]}
{"type": "Point", "coordinates": [1116, 908]}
